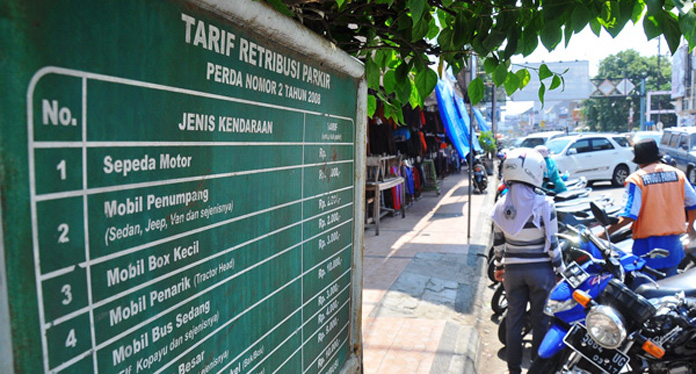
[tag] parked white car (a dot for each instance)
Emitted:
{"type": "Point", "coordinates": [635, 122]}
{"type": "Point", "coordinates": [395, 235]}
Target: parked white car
{"type": "Point", "coordinates": [540, 138]}
{"type": "Point", "coordinates": [597, 157]}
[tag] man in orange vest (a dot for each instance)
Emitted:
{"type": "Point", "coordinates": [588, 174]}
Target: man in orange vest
{"type": "Point", "coordinates": [655, 199]}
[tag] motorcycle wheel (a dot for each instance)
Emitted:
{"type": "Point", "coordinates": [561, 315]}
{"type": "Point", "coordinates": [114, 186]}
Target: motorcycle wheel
{"type": "Point", "coordinates": [502, 328]}
{"type": "Point", "coordinates": [490, 272]}
{"type": "Point", "coordinates": [499, 301]}
{"type": "Point", "coordinates": [550, 365]}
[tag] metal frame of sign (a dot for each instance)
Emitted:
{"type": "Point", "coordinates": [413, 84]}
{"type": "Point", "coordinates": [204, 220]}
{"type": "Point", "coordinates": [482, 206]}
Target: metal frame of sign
{"type": "Point", "coordinates": [260, 20]}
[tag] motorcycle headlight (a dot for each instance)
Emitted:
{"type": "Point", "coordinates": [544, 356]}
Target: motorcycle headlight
{"type": "Point", "coordinates": [606, 326]}
{"type": "Point", "coordinates": [556, 306]}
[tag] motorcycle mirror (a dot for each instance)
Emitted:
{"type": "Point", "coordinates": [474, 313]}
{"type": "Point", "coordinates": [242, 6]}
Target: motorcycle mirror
{"type": "Point", "coordinates": [602, 216]}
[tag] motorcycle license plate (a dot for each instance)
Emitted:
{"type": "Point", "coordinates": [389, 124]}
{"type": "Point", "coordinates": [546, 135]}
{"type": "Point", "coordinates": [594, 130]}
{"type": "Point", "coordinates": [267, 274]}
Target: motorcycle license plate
{"type": "Point", "coordinates": [575, 275]}
{"type": "Point", "coordinates": [608, 360]}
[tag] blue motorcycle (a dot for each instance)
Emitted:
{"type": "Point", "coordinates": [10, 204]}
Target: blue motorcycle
{"type": "Point", "coordinates": [595, 263]}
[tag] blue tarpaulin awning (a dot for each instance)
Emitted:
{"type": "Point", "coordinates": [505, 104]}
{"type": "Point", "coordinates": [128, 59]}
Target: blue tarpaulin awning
{"type": "Point", "coordinates": [455, 118]}
{"type": "Point", "coordinates": [483, 125]}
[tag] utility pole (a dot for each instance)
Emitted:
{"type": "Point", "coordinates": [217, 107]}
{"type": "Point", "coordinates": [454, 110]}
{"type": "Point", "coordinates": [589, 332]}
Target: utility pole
{"type": "Point", "coordinates": [493, 118]}
{"type": "Point", "coordinates": [474, 73]}
{"type": "Point", "coordinates": [659, 75]}
{"type": "Point", "coordinates": [642, 102]}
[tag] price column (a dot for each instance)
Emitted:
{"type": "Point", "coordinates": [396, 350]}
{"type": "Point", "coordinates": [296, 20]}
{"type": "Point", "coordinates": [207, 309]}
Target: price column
{"type": "Point", "coordinates": [327, 236]}
{"type": "Point", "coordinates": [59, 226]}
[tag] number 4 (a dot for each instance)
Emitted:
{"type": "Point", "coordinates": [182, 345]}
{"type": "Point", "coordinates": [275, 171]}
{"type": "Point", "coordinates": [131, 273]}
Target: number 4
{"type": "Point", "coordinates": [71, 341]}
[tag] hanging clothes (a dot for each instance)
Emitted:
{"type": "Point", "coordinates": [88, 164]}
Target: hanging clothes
{"type": "Point", "coordinates": [396, 191]}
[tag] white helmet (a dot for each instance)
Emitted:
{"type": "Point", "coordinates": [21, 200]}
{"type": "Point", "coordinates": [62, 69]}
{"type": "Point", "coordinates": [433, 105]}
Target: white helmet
{"type": "Point", "coordinates": [543, 150]}
{"type": "Point", "coordinates": [524, 165]}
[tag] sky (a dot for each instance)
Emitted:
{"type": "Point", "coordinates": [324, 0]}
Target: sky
{"type": "Point", "coordinates": [587, 46]}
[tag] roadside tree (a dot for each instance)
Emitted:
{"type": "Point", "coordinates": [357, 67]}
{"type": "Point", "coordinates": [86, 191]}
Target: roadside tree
{"type": "Point", "coordinates": [397, 38]}
{"type": "Point", "coordinates": [612, 113]}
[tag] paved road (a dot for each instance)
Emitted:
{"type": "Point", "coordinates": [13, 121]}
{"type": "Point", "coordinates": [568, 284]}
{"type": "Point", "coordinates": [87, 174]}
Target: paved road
{"type": "Point", "coordinates": [493, 352]}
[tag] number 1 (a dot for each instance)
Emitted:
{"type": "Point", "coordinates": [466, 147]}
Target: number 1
{"type": "Point", "coordinates": [61, 167]}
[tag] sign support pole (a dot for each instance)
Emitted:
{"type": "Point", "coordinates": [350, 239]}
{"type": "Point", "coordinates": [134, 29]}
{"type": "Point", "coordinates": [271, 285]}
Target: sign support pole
{"type": "Point", "coordinates": [472, 149]}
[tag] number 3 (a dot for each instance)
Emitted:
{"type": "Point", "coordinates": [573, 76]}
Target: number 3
{"type": "Point", "coordinates": [68, 295]}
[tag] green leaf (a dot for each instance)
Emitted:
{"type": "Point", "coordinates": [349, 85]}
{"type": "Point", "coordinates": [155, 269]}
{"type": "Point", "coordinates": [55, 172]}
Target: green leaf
{"type": "Point", "coordinates": [654, 6]}
{"type": "Point", "coordinates": [606, 17]}
{"type": "Point", "coordinates": [555, 82]}
{"type": "Point", "coordinates": [371, 105]}
{"type": "Point", "coordinates": [420, 30]}
{"type": "Point", "coordinates": [494, 40]}
{"type": "Point", "coordinates": [475, 90]}
{"type": "Point", "coordinates": [544, 72]}
{"type": "Point", "coordinates": [531, 41]}
{"type": "Point", "coordinates": [512, 83]}
{"type": "Point", "coordinates": [671, 30]}
{"type": "Point", "coordinates": [461, 34]}
{"type": "Point", "coordinates": [542, 92]}
{"type": "Point", "coordinates": [388, 111]}
{"type": "Point", "coordinates": [687, 25]}
{"type": "Point", "coordinates": [580, 17]}
{"type": "Point", "coordinates": [389, 81]}
{"type": "Point", "coordinates": [489, 65]}
{"type": "Point", "coordinates": [417, 8]}
{"type": "Point", "coordinates": [567, 33]}
{"type": "Point", "coordinates": [340, 3]}
{"type": "Point", "coordinates": [637, 11]}
{"type": "Point", "coordinates": [416, 100]}
{"type": "Point", "coordinates": [380, 58]}
{"type": "Point", "coordinates": [622, 10]}
{"type": "Point", "coordinates": [372, 71]}
{"type": "Point", "coordinates": [445, 39]}
{"type": "Point", "coordinates": [403, 91]}
{"type": "Point", "coordinates": [650, 27]}
{"type": "Point", "coordinates": [402, 73]}
{"type": "Point", "coordinates": [551, 35]}
{"type": "Point", "coordinates": [280, 6]}
{"type": "Point", "coordinates": [595, 26]}
{"type": "Point", "coordinates": [511, 47]}
{"type": "Point", "coordinates": [433, 29]}
{"type": "Point", "coordinates": [499, 75]}
{"type": "Point", "coordinates": [426, 80]}
{"type": "Point", "coordinates": [524, 76]}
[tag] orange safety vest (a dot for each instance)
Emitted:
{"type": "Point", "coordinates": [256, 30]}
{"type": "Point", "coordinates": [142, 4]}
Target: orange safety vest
{"type": "Point", "coordinates": [662, 201]}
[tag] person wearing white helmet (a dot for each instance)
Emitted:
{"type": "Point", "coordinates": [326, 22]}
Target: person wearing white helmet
{"type": "Point", "coordinates": [527, 255]}
{"type": "Point", "coordinates": [551, 175]}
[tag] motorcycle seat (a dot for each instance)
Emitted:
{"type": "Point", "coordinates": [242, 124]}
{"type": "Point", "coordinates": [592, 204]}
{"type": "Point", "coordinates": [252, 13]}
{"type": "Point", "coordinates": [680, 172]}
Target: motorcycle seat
{"type": "Point", "coordinates": [670, 286]}
{"type": "Point", "coordinates": [569, 195]}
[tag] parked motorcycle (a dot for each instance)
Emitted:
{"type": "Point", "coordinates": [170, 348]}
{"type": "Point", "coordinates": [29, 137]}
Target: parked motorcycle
{"type": "Point", "coordinates": [480, 177]}
{"type": "Point", "coordinates": [595, 264]}
{"type": "Point", "coordinates": [652, 329]}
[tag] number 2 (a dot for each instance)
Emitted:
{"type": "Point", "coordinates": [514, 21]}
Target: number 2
{"type": "Point", "coordinates": [64, 229]}
{"type": "Point", "coordinates": [61, 168]}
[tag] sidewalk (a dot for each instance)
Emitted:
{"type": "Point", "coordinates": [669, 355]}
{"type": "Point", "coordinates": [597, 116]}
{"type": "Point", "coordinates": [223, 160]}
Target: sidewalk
{"type": "Point", "coordinates": [424, 309]}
